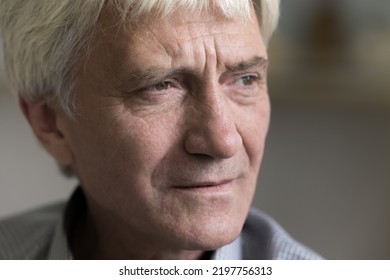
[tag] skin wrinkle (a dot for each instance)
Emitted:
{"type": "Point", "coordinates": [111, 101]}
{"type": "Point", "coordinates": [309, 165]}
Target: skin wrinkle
{"type": "Point", "coordinates": [169, 53]}
{"type": "Point", "coordinates": [134, 152]}
{"type": "Point", "coordinates": [153, 75]}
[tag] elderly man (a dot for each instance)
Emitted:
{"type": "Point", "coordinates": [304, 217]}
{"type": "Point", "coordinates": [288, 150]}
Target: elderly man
{"type": "Point", "coordinates": [161, 110]}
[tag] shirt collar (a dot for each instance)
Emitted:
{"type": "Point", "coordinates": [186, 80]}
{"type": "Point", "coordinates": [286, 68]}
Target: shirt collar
{"type": "Point", "coordinates": [59, 249]}
{"type": "Point", "coordinates": [231, 251]}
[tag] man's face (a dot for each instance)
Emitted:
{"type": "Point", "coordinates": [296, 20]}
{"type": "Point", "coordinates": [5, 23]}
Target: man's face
{"type": "Point", "coordinates": [172, 117]}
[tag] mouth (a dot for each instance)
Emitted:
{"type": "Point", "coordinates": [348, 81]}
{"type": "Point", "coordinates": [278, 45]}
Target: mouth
{"type": "Point", "coordinates": [217, 186]}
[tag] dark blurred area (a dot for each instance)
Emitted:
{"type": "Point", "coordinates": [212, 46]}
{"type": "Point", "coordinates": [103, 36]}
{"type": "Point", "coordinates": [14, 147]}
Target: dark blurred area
{"type": "Point", "coordinates": [326, 174]}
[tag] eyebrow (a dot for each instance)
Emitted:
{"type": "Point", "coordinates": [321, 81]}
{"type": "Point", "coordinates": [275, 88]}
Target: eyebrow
{"type": "Point", "coordinates": [256, 61]}
{"type": "Point", "coordinates": [154, 75]}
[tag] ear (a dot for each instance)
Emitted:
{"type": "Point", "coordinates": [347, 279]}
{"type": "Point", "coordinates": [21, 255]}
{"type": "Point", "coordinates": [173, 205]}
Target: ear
{"type": "Point", "coordinates": [44, 122]}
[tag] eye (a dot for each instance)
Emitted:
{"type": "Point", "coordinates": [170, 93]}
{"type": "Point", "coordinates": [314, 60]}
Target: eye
{"type": "Point", "coordinates": [248, 80]}
{"type": "Point", "coordinates": [161, 86]}
{"type": "Point", "coordinates": [160, 91]}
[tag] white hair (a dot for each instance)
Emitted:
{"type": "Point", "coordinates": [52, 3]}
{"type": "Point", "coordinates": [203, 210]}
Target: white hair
{"type": "Point", "coordinates": [45, 40]}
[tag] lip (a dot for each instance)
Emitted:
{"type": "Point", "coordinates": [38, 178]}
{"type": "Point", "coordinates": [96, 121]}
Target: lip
{"type": "Point", "coordinates": [217, 186]}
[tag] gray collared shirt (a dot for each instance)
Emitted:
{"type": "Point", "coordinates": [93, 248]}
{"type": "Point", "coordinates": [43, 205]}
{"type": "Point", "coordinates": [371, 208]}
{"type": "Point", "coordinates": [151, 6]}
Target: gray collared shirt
{"type": "Point", "coordinates": [41, 234]}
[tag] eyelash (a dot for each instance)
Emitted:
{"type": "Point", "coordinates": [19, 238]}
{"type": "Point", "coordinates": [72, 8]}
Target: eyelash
{"type": "Point", "coordinates": [166, 83]}
{"type": "Point", "coordinates": [169, 84]}
{"type": "Point", "coordinates": [253, 79]}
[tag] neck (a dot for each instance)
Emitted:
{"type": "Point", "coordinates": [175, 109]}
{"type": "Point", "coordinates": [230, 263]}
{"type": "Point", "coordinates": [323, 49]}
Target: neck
{"type": "Point", "coordinates": [92, 239]}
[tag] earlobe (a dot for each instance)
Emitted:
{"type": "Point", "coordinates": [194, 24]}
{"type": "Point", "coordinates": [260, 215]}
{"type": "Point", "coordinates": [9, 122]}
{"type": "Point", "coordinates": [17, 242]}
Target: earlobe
{"type": "Point", "coordinates": [44, 122]}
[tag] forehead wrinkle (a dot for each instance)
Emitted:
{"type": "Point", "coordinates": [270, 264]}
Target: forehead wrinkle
{"type": "Point", "coordinates": [192, 49]}
{"type": "Point", "coordinates": [204, 48]}
{"type": "Point", "coordinates": [191, 31]}
{"type": "Point", "coordinates": [161, 43]}
{"type": "Point", "coordinates": [187, 31]}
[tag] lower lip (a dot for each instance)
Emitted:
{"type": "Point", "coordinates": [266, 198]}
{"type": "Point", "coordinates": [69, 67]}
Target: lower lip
{"type": "Point", "coordinates": [223, 187]}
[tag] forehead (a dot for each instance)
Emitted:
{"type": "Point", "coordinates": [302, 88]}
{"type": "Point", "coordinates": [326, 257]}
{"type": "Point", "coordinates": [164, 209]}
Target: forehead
{"type": "Point", "coordinates": [181, 38]}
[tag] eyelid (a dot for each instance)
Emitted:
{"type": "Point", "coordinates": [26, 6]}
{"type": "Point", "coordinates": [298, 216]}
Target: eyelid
{"type": "Point", "coordinates": [142, 85]}
{"type": "Point", "coordinates": [158, 83]}
{"type": "Point", "coordinates": [254, 78]}
{"type": "Point", "coordinates": [259, 70]}
{"type": "Point", "coordinates": [228, 78]}
{"type": "Point", "coordinates": [152, 76]}
{"type": "Point", "coordinates": [174, 84]}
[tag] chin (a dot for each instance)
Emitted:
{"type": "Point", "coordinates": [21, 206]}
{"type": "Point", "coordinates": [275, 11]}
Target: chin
{"type": "Point", "coordinates": [212, 234]}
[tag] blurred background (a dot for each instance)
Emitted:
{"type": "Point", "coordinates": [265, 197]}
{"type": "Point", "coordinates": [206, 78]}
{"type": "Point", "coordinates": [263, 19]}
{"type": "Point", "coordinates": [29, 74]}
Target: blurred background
{"type": "Point", "coordinates": [325, 175]}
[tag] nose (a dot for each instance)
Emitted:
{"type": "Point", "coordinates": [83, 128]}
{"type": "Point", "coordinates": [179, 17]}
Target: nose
{"type": "Point", "coordinates": [212, 131]}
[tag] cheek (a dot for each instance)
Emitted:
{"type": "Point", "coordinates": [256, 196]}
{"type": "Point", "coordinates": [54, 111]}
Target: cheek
{"type": "Point", "coordinates": [115, 162]}
{"type": "Point", "coordinates": [139, 147]}
{"type": "Point", "coordinates": [253, 128]}
{"type": "Point", "coordinates": [152, 143]}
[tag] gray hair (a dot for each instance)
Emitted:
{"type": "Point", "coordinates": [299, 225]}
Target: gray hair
{"type": "Point", "coordinates": [45, 40]}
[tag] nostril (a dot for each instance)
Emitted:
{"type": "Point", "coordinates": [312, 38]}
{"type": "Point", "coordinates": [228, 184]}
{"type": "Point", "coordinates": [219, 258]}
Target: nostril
{"type": "Point", "coordinates": [216, 142]}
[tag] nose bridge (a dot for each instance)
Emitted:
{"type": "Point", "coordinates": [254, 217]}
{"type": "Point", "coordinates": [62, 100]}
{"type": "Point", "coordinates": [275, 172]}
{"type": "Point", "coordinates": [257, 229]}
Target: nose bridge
{"type": "Point", "coordinates": [213, 131]}
{"type": "Point", "coordinates": [216, 113]}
